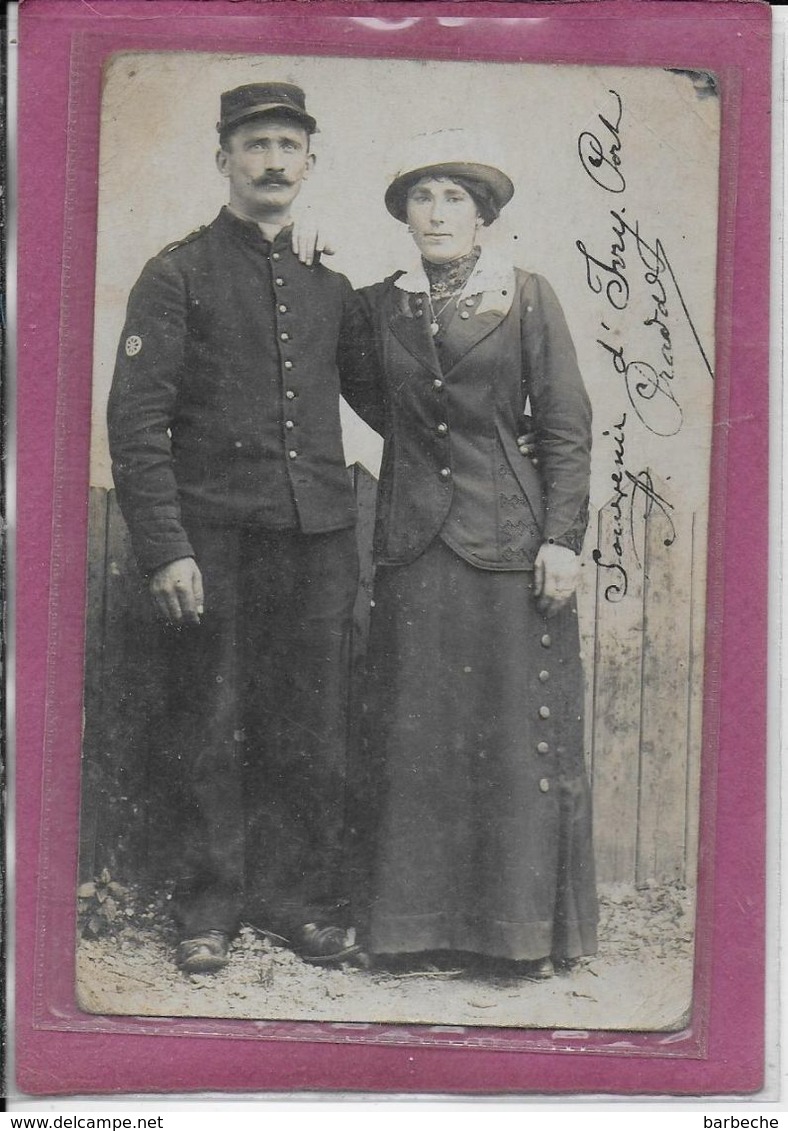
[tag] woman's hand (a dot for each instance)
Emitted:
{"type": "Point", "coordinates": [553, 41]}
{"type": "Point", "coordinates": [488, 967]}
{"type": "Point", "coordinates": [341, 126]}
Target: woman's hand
{"type": "Point", "coordinates": [556, 573]}
{"type": "Point", "coordinates": [308, 239]}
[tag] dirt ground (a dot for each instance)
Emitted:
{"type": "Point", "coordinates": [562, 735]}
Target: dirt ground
{"type": "Point", "coordinates": [640, 979]}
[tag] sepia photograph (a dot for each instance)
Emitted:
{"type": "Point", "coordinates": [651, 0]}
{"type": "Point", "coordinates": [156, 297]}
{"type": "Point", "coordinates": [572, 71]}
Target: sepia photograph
{"type": "Point", "coordinates": [402, 400]}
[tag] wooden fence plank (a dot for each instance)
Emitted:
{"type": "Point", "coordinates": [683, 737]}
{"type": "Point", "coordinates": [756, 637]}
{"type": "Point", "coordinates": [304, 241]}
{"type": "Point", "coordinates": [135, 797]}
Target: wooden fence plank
{"type": "Point", "coordinates": [665, 696]}
{"type": "Point", "coordinates": [618, 659]}
{"type": "Point", "coordinates": [92, 739]}
{"type": "Point", "coordinates": [130, 701]}
{"type": "Point", "coordinates": [695, 713]}
{"type": "Point", "coordinates": [586, 613]}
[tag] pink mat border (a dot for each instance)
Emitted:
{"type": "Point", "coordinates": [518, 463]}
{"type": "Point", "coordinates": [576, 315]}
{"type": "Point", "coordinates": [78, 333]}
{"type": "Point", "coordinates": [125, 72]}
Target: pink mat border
{"type": "Point", "coordinates": [63, 1051]}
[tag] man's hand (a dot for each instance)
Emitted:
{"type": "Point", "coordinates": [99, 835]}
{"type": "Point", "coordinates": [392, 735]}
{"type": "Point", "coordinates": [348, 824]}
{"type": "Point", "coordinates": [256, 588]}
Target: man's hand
{"type": "Point", "coordinates": [177, 593]}
{"type": "Point", "coordinates": [556, 572]}
{"type": "Point", "coordinates": [308, 239]}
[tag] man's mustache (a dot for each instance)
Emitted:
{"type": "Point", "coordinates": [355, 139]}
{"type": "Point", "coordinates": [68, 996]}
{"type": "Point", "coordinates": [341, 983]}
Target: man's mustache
{"type": "Point", "coordinates": [271, 179]}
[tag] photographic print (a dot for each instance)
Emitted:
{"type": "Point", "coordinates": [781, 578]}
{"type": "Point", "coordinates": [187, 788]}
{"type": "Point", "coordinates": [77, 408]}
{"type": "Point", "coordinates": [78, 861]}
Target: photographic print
{"type": "Point", "coordinates": [457, 783]}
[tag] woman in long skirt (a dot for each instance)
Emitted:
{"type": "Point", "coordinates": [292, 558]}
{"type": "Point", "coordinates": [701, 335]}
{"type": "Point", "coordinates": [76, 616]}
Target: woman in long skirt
{"type": "Point", "coordinates": [482, 826]}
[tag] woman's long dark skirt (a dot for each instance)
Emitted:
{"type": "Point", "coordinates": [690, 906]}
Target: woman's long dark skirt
{"type": "Point", "coordinates": [482, 825]}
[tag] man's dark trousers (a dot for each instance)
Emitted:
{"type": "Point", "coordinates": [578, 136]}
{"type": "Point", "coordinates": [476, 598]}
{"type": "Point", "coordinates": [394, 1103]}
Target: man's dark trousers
{"type": "Point", "coordinates": [253, 742]}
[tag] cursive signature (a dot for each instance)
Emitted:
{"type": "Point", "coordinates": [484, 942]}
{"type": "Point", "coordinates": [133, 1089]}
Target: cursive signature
{"type": "Point", "coordinates": [619, 272]}
{"type": "Point", "coordinates": [600, 156]}
{"type": "Point", "coordinates": [650, 382]}
{"type": "Point", "coordinates": [631, 273]}
{"type": "Point", "coordinates": [609, 274]}
{"type": "Point", "coordinates": [619, 580]}
{"type": "Point", "coordinates": [649, 390]}
{"type": "Point", "coordinates": [656, 263]}
{"type": "Point", "coordinates": [645, 494]}
{"type": "Point", "coordinates": [634, 497]}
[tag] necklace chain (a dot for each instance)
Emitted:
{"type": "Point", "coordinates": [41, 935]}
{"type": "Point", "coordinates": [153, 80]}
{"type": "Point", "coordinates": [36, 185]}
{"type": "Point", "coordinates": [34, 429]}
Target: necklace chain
{"type": "Point", "coordinates": [434, 324]}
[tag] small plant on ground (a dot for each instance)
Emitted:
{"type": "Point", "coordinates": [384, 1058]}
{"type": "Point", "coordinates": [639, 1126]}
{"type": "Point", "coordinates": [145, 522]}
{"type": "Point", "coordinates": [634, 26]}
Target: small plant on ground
{"type": "Point", "coordinates": [102, 906]}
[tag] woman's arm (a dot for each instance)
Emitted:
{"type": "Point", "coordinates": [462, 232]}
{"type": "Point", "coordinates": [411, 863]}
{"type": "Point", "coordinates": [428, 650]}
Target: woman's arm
{"type": "Point", "coordinates": [310, 238]}
{"type": "Point", "coordinates": [359, 361]}
{"type": "Point", "coordinates": [562, 415]}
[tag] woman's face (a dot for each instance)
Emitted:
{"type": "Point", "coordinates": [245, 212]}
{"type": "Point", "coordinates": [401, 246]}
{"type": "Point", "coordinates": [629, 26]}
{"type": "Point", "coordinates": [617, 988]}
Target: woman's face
{"type": "Point", "coordinates": [443, 219]}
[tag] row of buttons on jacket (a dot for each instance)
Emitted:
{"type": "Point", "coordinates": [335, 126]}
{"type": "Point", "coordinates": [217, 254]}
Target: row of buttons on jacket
{"type": "Point", "coordinates": [463, 313]}
{"type": "Point", "coordinates": [442, 429]}
{"type": "Point", "coordinates": [544, 712]}
{"type": "Point", "coordinates": [284, 336]}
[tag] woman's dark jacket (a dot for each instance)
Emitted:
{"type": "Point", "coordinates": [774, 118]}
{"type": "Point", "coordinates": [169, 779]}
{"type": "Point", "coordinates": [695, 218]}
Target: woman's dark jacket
{"type": "Point", "coordinates": [451, 465]}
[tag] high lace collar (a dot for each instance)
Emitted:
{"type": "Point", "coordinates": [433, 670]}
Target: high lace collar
{"type": "Point", "coordinates": [493, 276]}
{"type": "Point", "coordinates": [446, 279]}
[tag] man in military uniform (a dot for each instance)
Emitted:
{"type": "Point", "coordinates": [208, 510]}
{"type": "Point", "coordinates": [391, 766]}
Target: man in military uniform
{"type": "Point", "coordinates": [228, 462]}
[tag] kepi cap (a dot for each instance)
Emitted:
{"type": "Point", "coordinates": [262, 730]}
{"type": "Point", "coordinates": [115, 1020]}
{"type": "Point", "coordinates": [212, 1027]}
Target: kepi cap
{"type": "Point", "coordinates": [250, 101]}
{"type": "Point", "coordinates": [447, 153]}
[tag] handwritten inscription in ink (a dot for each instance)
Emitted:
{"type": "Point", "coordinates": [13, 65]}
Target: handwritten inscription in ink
{"type": "Point", "coordinates": [642, 300]}
{"type": "Point", "coordinates": [600, 149]}
{"type": "Point", "coordinates": [635, 498]}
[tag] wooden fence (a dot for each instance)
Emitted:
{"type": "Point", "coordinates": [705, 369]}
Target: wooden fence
{"type": "Point", "coordinates": [642, 660]}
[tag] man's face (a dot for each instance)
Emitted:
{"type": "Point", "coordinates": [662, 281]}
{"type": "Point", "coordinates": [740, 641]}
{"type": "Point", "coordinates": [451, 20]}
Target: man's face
{"type": "Point", "coordinates": [265, 161]}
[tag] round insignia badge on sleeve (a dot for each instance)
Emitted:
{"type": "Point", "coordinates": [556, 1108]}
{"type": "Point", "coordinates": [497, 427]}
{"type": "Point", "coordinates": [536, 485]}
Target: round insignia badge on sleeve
{"type": "Point", "coordinates": [133, 345]}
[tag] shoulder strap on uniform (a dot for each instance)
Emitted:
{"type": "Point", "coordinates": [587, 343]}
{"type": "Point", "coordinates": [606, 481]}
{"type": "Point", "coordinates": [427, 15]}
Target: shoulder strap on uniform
{"type": "Point", "coordinates": [186, 239]}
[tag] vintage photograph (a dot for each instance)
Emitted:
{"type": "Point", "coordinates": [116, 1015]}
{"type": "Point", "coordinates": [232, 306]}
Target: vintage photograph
{"type": "Point", "coordinates": [401, 438]}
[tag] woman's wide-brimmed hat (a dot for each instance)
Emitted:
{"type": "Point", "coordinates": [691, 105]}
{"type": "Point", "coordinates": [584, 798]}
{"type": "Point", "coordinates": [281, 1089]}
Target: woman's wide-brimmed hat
{"type": "Point", "coordinates": [447, 153]}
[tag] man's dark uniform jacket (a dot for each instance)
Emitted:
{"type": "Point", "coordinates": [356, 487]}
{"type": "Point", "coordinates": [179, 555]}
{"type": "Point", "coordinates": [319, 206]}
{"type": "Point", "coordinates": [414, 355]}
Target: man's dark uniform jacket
{"type": "Point", "coordinates": [224, 404]}
{"type": "Point", "coordinates": [226, 446]}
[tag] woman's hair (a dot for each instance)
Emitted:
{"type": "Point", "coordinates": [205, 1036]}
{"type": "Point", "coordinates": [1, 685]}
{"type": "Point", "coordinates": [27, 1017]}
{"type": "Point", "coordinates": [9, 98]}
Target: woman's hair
{"type": "Point", "coordinates": [480, 193]}
{"type": "Point", "coordinates": [482, 197]}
